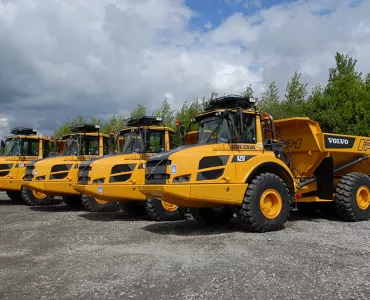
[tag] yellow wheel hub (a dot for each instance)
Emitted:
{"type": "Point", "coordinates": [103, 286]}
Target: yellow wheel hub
{"type": "Point", "coordinates": [271, 204]}
{"type": "Point", "coordinates": [38, 195]}
{"type": "Point", "coordinates": [169, 206]}
{"type": "Point", "coordinates": [101, 202]}
{"type": "Point", "coordinates": [363, 197]}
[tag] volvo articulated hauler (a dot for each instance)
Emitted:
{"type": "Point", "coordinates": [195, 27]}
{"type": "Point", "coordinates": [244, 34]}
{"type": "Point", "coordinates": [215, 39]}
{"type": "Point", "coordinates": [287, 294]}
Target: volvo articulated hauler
{"type": "Point", "coordinates": [257, 168]}
{"type": "Point", "coordinates": [23, 146]}
{"type": "Point", "coordinates": [115, 177]}
{"type": "Point", "coordinates": [56, 175]}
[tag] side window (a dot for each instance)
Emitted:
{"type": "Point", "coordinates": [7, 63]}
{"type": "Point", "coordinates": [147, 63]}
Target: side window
{"type": "Point", "coordinates": [249, 129]}
{"type": "Point", "coordinates": [91, 147]}
{"type": "Point", "coordinates": [156, 141]}
{"type": "Point", "coordinates": [173, 140]}
{"type": "Point", "coordinates": [105, 146]}
{"type": "Point", "coordinates": [31, 147]}
{"type": "Point", "coordinates": [45, 148]}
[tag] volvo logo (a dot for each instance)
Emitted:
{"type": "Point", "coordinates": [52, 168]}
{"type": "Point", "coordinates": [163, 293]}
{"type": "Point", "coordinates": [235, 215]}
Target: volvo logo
{"type": "Point", "coordinates": [338, 141]}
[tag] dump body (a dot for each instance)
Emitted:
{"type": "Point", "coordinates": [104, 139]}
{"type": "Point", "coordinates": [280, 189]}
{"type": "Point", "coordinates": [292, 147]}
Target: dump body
{"type": "Point", "coordinates": [317, 154]}
{"type": "Point", "coordinates": [56, 175]}
{"type": "Point", "coordinates": [12, 167]}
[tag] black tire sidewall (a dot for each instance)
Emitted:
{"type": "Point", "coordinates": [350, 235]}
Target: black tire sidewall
{"type": "Point", "coordinates": [361, 181]}
{"type": "Point", "coordinates": [158, 212]}
{"type": "Point", "coordinates": [32, 200]}
{"type": "Point", "coordinates": [92, 205]}
{"type": "Point", "coordinates": [278, 186]}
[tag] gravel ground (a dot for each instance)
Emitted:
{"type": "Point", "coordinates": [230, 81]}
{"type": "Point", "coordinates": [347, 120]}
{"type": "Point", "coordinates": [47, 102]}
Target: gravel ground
{"type": "Point", "coordinates": [54, 253]}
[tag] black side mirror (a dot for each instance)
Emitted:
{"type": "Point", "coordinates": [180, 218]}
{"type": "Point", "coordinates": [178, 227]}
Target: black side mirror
{"type": "Point", "coordinates": [182, 129]}
{"type": "Point", "coordinates": [2, 144]}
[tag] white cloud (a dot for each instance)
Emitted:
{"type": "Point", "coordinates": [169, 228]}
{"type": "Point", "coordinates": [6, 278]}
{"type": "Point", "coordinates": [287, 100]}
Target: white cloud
{"type": "Point", "coordinates": [62, 59]}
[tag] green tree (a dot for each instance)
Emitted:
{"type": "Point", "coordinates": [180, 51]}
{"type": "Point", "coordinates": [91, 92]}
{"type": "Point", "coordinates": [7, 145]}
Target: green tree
{"type": "Point", "coordinates": [249, 92]}
{"type": "Point", "coordinates": [294, 104]}
{"type": "Point", "coordinates": [139, 111]}
{"type": "Point", "coordinates": [270, 102]}
{"type": "Point", "coordinates": [166, 113]}
{"type": "Point", "coordinates": [343, 105]}
{"type": "Point", "coordinates": [114, 123]}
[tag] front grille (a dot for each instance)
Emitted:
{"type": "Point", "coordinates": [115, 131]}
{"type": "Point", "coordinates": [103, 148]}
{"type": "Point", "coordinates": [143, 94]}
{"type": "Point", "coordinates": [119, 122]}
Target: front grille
{"type": "Point", "coordinates": [83, 180]}
{"type": "Point", "coordinates": [156, 171]}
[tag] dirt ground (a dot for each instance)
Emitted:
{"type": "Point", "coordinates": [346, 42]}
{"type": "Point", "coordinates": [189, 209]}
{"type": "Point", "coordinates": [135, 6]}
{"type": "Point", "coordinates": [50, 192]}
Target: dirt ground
{"type": "Point", "coordinates": [54, 253]}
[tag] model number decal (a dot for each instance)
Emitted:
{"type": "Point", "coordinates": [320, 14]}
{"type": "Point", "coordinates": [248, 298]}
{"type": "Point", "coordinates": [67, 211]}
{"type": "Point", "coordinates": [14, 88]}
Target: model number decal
{"type": "Point", "coordinates": [296, 144]}
{"type": "Point", "coordinates": [242, 147]}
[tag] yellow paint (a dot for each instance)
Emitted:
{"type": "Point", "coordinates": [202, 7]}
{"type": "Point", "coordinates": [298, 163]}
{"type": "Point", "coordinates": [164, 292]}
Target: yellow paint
{"type": "Point", "coordinates": [271, 204]}
{"type": "Point", "coordinates": [169, 206]}
{"type": "Point", "coordinates": [363, 197]}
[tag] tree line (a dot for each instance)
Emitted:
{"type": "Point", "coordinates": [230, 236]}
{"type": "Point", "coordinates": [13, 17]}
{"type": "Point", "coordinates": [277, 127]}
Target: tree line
{"type": "Point", "coordinates": [341, 106]}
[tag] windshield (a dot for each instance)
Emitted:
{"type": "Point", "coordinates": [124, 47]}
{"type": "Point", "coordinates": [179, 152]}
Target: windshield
{"type": "Point", "coordinates": [12, 147]}
{"type": "Point", "coordinates": [218, 129]}
{"type": "Point", "coordinates": [82, 145]}
{"type": "Point", "coordinates": [134, 141]}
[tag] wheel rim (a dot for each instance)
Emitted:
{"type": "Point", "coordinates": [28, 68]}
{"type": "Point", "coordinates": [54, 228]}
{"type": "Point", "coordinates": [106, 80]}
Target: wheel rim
{"type": "Point", "coordinates": [271, 204]}
{"type": "Point", "coordinates": [169, 206]}
{"type": "Point", "coordinates": [38, 195]}
{"type": "Point", "coordinates": [362, 197]}
{"type": "Point", "coordinates": [101, 202]}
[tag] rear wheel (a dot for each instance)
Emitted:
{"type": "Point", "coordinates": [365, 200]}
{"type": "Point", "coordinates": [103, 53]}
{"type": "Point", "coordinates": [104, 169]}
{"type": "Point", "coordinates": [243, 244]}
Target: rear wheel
{"type": "Point", "coordinates": [73, 202]}
{"type": "Point", "coordinates": [133, 208]}
{"type": "Point", "coordinates": [15, 196]}
{"type": "Point", "coordinates": [97, 205]}
{"type": "Point", "coordinates": [160, 210]}
{"type": "Point", "coordinates": [212, 215]}
{"type": "Point", "coordinates": [33, 198]}
{"type": "Point", "coordinates": [266, 204]}
{"type": "Point", "coordinates": [352, 197]}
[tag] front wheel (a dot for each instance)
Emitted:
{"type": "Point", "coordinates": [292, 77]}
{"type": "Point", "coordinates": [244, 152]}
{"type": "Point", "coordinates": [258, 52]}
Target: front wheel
{"type": "Point", "coordinates": [96, 205]}
{"type": "Point", "coordinates": [33, 198]}
{"type": "Point", "coordinates": [160, 210]}
{"type": "Point", "coordinates": [266, 204]}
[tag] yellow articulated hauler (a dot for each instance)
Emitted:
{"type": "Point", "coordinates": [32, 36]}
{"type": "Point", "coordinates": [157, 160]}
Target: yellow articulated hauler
{"type": "Point", "coordinates": [56, 175]}
{"type": "Point", "coordinates": [22, 147]}
{"type": "Point", "coordinates": [259, 169]}
{"type": "Point", "coordinates": [115, 177]}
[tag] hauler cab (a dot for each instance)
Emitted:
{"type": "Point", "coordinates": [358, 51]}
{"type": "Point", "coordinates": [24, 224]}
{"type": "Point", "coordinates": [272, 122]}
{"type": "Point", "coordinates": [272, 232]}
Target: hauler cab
{"type": "Point", "coordinates": [20, 148]}
{"type": "Point", "coordinates": [115, 178]}
{"type": "Point", "coordinates": [56, 175]}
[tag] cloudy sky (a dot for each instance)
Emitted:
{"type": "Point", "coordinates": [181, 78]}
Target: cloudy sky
{"type": "Point", "coordinates": [64, 58]}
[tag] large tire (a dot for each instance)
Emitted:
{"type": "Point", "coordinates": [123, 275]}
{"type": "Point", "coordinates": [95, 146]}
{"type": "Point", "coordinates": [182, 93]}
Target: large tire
{"type": "Point", "coordinates": [158, 210]}
{"type": "Point", "coordinates": [33, 198]}
{"type": "Point", "coordinates": [132, 208]}
{"type": "Point", "coordinates": [352, 197]}
{"type": "Point", "coordinates": [94, 205]}
{"type": "Point", "coordinates": [212, 215]}
{"type": "Point", "coordinates": [266, 204]}
{"type": "Point", "coordinates": [15, 196]}
{"type": "Point", "coordinates": [73, 202]}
